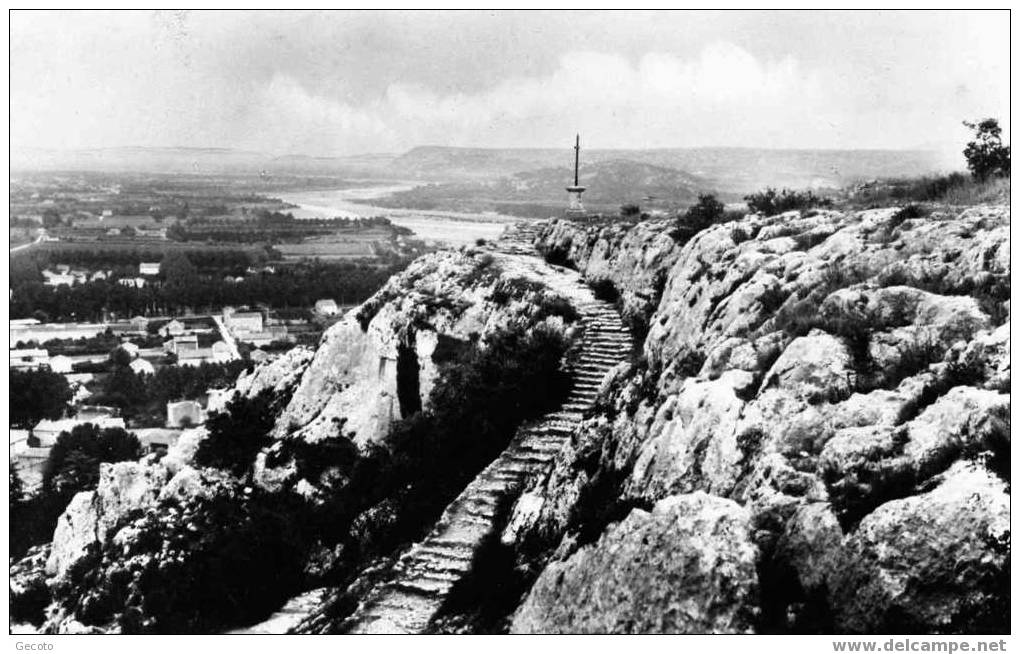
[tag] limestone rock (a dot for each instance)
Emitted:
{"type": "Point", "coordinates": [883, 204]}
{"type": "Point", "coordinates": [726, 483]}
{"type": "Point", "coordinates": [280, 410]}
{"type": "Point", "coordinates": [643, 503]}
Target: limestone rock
{"type": "Point", "coordinates": [932, 563]}
{"type": "Point", "coordinates": [685, 567]}
{"type": "Point", "coordinates": [123, 487]}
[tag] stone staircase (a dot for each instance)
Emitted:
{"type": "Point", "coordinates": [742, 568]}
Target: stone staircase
{"type": "Point", "coordinates": [423, 577]}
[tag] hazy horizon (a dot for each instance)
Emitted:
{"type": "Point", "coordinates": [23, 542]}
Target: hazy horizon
{"type": "Point", "coordinates": [346, 83]}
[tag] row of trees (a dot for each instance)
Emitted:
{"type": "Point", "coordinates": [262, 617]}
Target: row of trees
{"type": "Point", "coordinates": [185, 287]}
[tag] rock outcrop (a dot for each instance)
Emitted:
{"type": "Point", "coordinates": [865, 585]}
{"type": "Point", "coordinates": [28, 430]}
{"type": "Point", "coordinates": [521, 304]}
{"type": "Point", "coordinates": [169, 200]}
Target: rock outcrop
{"type": "Point", "coordinates": [687, 566]}
{"type": "Point", "coordinates": [841, 376]}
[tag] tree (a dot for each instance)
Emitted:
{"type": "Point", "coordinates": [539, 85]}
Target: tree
{"type": "Point", "coordinates": [237, 434]}
{"type": "Point", "coordinates": [36, 395]}
{"type": "Point", "coordinates": [630, 211]}
{"type": "Point", "coordinates": [707, 212]}
{"type": "Point", "coordinates": [73, 462]}
{"type": "Point", "coordinates": [50, 217]}
{"type": "Point", "coordinates": [17, 489]}
{"type": "Point", "coordinates": [986, 155]}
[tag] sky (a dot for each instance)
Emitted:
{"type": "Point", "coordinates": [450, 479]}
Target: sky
{"type": "Point", "coordinates": [344, 83]}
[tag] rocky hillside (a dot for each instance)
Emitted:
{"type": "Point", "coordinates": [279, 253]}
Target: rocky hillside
{"type": "Point", "coordinates": [300, 480]}
{"type": "Point", "coordinates": [816, 437]}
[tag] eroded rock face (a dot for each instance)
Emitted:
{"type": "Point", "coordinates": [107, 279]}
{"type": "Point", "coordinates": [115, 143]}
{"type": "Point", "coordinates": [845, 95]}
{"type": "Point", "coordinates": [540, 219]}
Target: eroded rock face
{"type": "Point", "coordinates": [937, 562]}
{"type": "Point", "coordinates": [688, 566]}
{"type": "Point", "coordinates": [122, 487]}
{"type": "Point", "coordinates": [827, 372]}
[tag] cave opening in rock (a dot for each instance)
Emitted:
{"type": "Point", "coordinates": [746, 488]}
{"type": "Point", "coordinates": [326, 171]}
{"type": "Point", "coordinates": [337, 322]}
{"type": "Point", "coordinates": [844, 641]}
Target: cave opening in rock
{"type": "Point", "coordinates": [408, 384]}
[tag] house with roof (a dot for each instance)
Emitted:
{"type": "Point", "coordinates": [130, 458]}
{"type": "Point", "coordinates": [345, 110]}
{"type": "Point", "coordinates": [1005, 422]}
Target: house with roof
{"type": "Point", "coordinates": [142, 367]}
{"type": "Point", "coordinates": [173, 328]}
{"type": "Point", "coordinates": [245, 321]}
{"type": "Point", "coordinates": [130, 348]}
{"type": "Point", "coordinates": [326, 307]}
{"type": "Point", "coordinates": [29, 358]}
{"type": "Point", "coordinates": [46, 432]}
{"type": "Point", "coordinates": [183, 343]}
{"type": "Point", "coordinates": [61, 363]}
{"type": "Point", "coordinates": [148, 269]}
{"type": "Point", "coordinates": [186, 413]}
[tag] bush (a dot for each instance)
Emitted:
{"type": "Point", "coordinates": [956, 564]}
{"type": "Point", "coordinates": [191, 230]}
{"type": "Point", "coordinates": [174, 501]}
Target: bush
{"type": "Point", "coordinates": [986, 155]}
{"type": "Point", "coordinates": [236, 435]}
{"type": "Point", "coordinates": [208, 564]}
{"type": "Point", "coordinates": [771, 202]}
{"type": "Point", "coordinates": [73, 462]}
{"type": "Point", "coordinates": [630, 211]}
{"type": "Point", "coordinates": [707, 212]}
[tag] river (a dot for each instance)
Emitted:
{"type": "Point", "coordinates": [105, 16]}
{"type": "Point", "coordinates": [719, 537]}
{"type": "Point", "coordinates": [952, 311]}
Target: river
{"type": "Point", "coordinates": [441, 227]}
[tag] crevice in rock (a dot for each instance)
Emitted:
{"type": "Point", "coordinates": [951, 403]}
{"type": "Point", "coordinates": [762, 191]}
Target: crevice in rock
{"type": "Point", "coordinates": [408, 384]}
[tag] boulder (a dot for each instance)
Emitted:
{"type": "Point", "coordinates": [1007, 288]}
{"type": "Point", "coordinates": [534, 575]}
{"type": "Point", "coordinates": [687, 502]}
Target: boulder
{"type": "Point", "coordinates": [937, 562]}
{"type": "Point", "coordinates": [687, 566]}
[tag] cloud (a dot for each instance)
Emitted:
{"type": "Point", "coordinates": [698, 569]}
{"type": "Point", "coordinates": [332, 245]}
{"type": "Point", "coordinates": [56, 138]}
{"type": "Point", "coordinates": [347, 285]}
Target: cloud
{"type": "Point", "coordinates": [724, 95]}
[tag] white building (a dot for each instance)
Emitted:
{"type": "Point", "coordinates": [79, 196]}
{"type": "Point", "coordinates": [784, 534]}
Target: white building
{"type": "Point", "coordinates": [149, 269]}
{"type": "Point", "coordinates": [29, 358]}
{"type": "Point", "coordinates": [58, 279]}
{"type": "Point", "coordinates": [61, 364]}
{"type": "Point", "coordinates": [172, 328]}
{"type": "Point", "coordinates": [130, 348]}
{"type": "Point", "coordinates": [248, 321]}
{"type": "Point", "coordinates": [133, 282]}
{"type": "Point", "coordinates": [221, 352]}
{"type": "Point", "coordinates": [142, 367]}
{"type": "Point", "coordinates": [47, 431]}
{"type": "Point", "coordinates": [184, 414]}
{"type": "Point", "coordinates": [326, 307]}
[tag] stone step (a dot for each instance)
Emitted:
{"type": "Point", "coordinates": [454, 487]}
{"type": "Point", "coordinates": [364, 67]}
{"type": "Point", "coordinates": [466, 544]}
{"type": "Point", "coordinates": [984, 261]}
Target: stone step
{"type": "Point", "coordinates": [444, 563]}
{"type": "Point", "coordinates": [540, 448]}
{"type": "Point", "coordinates": [537, 459]}
{"type": "Point", "coordinates": [425, 588]}
{"type": "Point", "coordinates": [431, 549]}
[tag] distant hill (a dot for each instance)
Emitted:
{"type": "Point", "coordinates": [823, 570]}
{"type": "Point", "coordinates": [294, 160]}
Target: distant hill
{"type": "Point", "coordinates": [737, 170]}
{"type": "Point", "coordinates": [196, 160]}
{"type": "Point", "coordinates": [728, 170]}
{"type": "Point", "coordinates": [541, 192]}
{"type": "Point", "coordinates": [614, 181]}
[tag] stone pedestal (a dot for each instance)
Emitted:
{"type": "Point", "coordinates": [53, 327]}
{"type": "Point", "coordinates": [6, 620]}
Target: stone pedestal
{"type": "Point", "coordinates": [576, 206]}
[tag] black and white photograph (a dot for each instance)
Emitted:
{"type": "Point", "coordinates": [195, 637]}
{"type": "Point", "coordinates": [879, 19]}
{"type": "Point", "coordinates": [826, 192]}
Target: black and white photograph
{"type": "Point", "coordinates": [501, 322]}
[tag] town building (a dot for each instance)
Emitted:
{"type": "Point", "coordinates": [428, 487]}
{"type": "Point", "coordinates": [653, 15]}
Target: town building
{"type": "Point", "coordinates": [149, 269]}
{"type": "Point", "coordinates": [61, 363]}
{"type": "Point", "coordinates": [142, 367]}
{"type": "Point", "coordinates": [186, 413]}
{"type": "Point", "coordinates": [45, 433]}
{"type": "Point", "coordinates": [42, 332]}
{"type": "Point", "coordinates": [247, 321]}
{"type": "Point", "coordinates": [173, 328]}
{"type": "Point", "coordinates": [130, 348]}
{"type": "Point", "coordinates": [181, 344]}
{"type": "Point", "coordinates": [157, 439]}
{"type": "Point", "coordinates": [139, 324]}
{"type": "Point", "coordinates": [58, 279]}
{"type": "Point", "coordinates": [326, 307]}
{"type": "Point", "coordinates": [133, 282]}
{"type": "Point", "coordinates": [29, 358]}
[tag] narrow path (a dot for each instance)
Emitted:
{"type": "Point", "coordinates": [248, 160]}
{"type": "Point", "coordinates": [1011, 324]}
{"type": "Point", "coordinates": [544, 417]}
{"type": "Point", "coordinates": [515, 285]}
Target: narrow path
{"type": "Point", "coordinates": [425, 574]}
{"type": "Point", "coordinates": [24, 246]}
{"type": "Point", "coordinates": [227, 337]}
